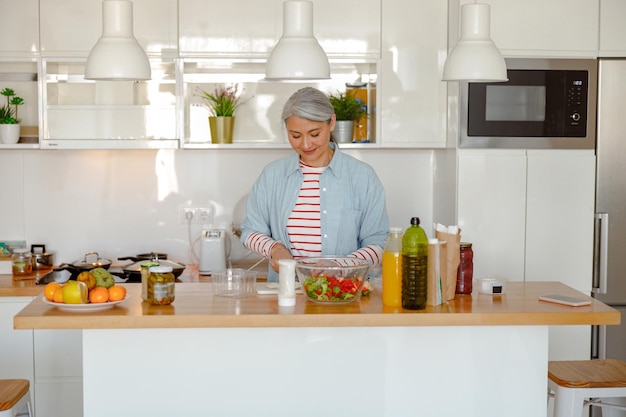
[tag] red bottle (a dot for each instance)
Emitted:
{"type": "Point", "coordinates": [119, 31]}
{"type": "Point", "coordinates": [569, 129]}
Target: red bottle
{"type": "Point", "coordinates": [465, 272]}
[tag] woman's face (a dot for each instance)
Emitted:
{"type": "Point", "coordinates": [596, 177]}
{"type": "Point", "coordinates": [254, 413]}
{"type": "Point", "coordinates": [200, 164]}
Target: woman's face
{"type": "Point", "coordinates": [310, 140]}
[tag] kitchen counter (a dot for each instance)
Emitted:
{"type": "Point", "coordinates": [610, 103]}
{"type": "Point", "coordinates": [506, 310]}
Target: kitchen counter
{"type": "Point", "coordinates": [208, 355]}
{"type": "Point", "coordinates": [196, 306]}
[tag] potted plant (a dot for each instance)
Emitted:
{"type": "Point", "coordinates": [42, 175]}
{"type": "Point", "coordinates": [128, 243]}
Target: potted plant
{"type": "Point", "coordinates": [222, 104]}
{"type": "Point", "coordinates": [9, 121]}
{"type": "Point", "coordinates": [348, 109]}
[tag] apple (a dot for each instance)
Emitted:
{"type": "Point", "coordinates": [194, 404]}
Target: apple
{"type": "Point", "coordinates": [88, 278]}
{"type": "Point", "coordinates": [75, 292]}
{"type": "Point", "coordinates": [103, 277]}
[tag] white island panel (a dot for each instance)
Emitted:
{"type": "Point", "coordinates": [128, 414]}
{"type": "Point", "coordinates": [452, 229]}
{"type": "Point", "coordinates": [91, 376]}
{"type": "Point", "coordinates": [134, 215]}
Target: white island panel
{"type": "Point", "coordinates": [375, 371]}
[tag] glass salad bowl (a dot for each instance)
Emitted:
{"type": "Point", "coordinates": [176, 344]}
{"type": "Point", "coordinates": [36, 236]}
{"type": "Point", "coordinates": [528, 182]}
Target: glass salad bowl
{"type": "Point", "coordinates": [332, 279]}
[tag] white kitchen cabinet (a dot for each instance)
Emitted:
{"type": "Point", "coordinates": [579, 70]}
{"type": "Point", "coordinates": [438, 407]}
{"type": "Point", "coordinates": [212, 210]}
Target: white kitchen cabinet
{"type": "Point", "coordinates": [50, 360]}
{"type": "Point", "coordinates": [560, 217]}
{"type": "Point", "coordinates": [81, 113]}
{"type": "Point", "coordinates": [16, 346]}
{"type": "Point", "coordinates": [412, 98]}
{"type": "Point", "coordinates": [612, 28]}
{"type": "Point", "coordinates": [219, 27]}
{"type": "Point", "coordinates": [70, 28]}
{"type": "Point", "coordinates": [529, 215]}
{"type": "Point", "coordinates": [19, 31]}
{"type": "Point", "coordinates": [539, 28]}
{"type": "Point", "coordinates": [492, 210]}
{"type": "Point", "coordinates": [59, 373]}
{"type": "Point", "coordinates": [520, 209]}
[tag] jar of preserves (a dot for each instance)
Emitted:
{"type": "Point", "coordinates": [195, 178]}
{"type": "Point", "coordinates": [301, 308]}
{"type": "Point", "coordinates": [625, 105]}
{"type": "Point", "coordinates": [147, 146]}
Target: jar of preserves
{"type": "Point", "coordinates": [161, 285]}
{"type": "Point", "coordinates": [145, 276]}
{"type": "Point", "coordinates": [465, 272]}
{"type": "Point", "coordinates": [21, 262]}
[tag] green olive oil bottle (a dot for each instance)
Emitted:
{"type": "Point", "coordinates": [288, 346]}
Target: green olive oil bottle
{"type": "Point", "coordinates": [414, 266]}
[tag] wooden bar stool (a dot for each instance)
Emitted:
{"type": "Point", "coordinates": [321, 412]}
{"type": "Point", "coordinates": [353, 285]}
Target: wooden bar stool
{"type": "Point", "coordinates": [576, 384]}
{"type": "Point", "coordinates": [14, 397]}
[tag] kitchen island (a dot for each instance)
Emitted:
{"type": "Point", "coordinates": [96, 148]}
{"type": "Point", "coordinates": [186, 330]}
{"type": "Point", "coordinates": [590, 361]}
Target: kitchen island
{"type": "Point", "coordinates": [208, 355]}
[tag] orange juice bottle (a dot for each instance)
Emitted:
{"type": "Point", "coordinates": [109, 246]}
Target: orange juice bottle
{"type": "Point", "coordinates": [392, 269]}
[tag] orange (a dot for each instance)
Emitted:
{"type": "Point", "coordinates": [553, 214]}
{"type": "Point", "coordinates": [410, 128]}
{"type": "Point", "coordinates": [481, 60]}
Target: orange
{"type": "Point", "coordinates": [117, 292]}
{"type": "Point", "coordinates": [49, 289]}
{"type": "Point", "coordinates": [99, 295]}
{"type": "Point", "coordinates": [57, 297]}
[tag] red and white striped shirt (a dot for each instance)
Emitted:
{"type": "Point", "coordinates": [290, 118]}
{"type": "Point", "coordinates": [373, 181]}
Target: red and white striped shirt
{"type": "Point", "coordinates": [304, 222]}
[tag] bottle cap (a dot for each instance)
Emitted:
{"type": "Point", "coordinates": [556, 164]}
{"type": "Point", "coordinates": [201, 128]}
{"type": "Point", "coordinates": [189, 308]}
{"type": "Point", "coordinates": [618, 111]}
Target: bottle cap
{"type": "Point", "coordinates": [415, 220]}
{"type": "Point", "coordinates": [20, 250]}
{"type": "Point", "coordinates": [395, 230]}
{"type": "Point", "coordinates": [161, 269]}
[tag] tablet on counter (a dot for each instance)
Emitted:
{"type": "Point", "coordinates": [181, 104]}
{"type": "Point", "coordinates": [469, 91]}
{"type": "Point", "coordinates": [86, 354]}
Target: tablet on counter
{"type": "Point", "coordinates": [562, 299]}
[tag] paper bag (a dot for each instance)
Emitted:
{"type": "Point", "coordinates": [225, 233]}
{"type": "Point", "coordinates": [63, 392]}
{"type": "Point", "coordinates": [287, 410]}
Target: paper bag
{"type": "Point", "coordinates": [433, 288]}
{"type": "Point", "coordinates": [450, 258]}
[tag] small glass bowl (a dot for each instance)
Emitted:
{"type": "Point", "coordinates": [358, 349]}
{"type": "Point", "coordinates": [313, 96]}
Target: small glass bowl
{"type": "Point", "coordinates": [234, 282]}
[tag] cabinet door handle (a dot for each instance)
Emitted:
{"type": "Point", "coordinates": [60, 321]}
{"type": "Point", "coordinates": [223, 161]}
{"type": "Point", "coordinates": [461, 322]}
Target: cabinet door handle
{"type": "Point", "coordinates": [600, 253]}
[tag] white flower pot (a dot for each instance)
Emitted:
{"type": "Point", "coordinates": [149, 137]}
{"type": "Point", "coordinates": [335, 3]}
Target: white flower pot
{"type": "Point", "coordinates": [9, 134]}
{"type": "Point", "coordinates": [344, 130]}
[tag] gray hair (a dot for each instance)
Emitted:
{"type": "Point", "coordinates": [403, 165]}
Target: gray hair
{"type": "Point", "coordinates": [308, 103]}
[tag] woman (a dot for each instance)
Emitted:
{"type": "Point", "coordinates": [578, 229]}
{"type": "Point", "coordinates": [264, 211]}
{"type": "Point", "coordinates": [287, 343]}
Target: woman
{"type": "Point", "coordinates": [318, 201]}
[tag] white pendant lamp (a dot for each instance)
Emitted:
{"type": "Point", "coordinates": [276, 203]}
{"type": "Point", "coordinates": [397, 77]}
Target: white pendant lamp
{"type": "Point", "coordinates": [117, 56]}
{"type": "Point", "coordinates": [475, 57]}
{"type": "Point", "coordinates": [297, 55]}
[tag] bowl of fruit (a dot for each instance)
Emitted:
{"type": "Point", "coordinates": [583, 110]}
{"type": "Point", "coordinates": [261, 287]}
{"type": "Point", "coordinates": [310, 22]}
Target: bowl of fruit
{"type": "Point", "coordinates": [332, 279]}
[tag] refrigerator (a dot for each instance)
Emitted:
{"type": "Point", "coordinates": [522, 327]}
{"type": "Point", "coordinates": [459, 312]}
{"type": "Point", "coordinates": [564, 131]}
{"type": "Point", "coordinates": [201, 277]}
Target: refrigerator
{"type": "Point", "coordinates": [609, 274]}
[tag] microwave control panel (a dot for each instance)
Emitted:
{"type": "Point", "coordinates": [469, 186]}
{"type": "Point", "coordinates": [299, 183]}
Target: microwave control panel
{"type": "Point", "coordinates": [576, 103]}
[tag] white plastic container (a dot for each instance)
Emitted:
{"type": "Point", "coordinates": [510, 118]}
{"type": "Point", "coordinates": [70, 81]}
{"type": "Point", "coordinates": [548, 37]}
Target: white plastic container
{"type": "Point", "coordinates": [492, 285]}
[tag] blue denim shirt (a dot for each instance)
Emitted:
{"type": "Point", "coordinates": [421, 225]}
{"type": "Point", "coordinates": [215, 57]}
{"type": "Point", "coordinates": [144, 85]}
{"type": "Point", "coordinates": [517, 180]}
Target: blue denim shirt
{"type": "Point", "coordinates": [352, 204]}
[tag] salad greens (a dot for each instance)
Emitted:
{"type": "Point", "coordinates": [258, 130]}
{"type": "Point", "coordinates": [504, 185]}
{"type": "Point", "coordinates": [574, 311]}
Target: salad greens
{"type": "Point", "coordinates": [325, 288]}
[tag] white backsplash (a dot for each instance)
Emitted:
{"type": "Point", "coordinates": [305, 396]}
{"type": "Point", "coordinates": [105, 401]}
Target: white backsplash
{"type": "Point", "coordinates": [125, 202]}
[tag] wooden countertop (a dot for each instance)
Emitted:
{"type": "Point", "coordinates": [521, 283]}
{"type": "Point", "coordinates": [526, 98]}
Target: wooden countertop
{"type": "Point", "coordinates": [196, 306]}
{"type": "Point", "coordinates": [25, 286]}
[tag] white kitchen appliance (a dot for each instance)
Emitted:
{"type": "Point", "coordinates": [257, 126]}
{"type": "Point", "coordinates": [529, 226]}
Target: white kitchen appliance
{"type": "Point", "coordinates": [213, 251]}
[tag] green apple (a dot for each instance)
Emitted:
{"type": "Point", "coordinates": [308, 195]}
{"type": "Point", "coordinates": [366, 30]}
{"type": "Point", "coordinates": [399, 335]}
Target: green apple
{"type": "Point", "coordinates": [75, 292]}
{"type": "Point", "coordinates": [103, 277]}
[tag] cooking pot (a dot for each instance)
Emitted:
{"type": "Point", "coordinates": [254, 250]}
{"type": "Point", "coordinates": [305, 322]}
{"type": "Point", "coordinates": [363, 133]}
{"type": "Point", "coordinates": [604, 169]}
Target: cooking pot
{"type": "Point", "coordinates": [41, 258]}
{"type": "Point", "coordinates": [87, 264]}
{"type": "Point", "coordinates": [133, 271]}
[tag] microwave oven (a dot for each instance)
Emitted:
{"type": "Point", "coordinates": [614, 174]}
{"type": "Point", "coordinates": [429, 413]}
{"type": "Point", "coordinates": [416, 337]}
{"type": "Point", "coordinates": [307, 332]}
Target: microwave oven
{"type": "Point", "coordinates": [545, 104]}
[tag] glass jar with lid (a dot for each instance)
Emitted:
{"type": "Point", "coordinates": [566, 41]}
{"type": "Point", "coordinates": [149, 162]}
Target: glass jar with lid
{"type": "Point", "coordinates": [161, 285]}
{"type": "Point", "coordinates": [21, 262]}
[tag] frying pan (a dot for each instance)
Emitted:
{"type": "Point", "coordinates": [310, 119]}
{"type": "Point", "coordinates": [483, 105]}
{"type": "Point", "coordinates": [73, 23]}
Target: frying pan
{"type": "Point", "coordinates": [133, 271]}
{"type": "Point", "coordinates": [86, 264]}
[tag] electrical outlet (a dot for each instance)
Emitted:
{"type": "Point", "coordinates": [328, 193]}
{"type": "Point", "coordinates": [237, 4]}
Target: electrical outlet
{"type": "Point", "coordinates": [204, 215]}
{"type": "Point", "coordinates": [195, 215]}
{"type": "Point", "coordinates": [186, 214]}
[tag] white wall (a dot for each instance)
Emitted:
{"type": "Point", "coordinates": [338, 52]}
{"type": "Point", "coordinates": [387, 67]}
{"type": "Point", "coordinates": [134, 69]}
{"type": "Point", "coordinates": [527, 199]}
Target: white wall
{"type": "Point", "coordinates": [120, 203]}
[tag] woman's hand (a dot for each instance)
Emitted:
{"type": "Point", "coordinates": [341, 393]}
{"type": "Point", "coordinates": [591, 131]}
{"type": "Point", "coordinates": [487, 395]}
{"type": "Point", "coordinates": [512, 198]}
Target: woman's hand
{"type": "Point", "coordinates": [278, 252]}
